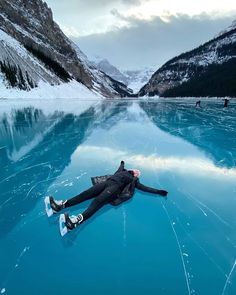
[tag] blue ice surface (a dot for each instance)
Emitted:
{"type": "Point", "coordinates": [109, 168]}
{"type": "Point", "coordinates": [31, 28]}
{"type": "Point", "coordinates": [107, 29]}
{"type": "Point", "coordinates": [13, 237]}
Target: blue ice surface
{"type": "Point", "coordinates": [183, 245]}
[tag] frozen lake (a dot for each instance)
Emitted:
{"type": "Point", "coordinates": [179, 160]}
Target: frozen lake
{"type": "Point", "coordinates": [183, 245]}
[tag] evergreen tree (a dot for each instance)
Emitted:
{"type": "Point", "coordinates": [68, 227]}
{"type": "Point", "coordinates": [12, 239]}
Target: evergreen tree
{"type": "Point", "coordinates": [30, 82]}
{"type": "Point", "coordinates": [10, 73]}
{"type": "Point", "coordinates": [50, 63]}
{"type": "Point", "coordinates": [214, 80]}
{"type": "Point", "coordinates": [15, 77]}
{"type": "Point", "coordinates": [22, 83]}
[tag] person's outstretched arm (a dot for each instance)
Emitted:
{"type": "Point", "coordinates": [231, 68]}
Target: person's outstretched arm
{"type": "Point", "coordinates": [121, 168]}
{"type": "Point", "coordinates": [148, 189]}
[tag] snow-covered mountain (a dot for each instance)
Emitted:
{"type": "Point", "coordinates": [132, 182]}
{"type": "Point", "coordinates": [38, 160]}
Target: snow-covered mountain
{"type": "Point", "coordinates": [34, 49]}
{"type": "Point", "coordinates": [209, 70]}
{"type": "Point", "coordinates": [137, 78]}
{"type": "Point", "coordinates": [134, 79]}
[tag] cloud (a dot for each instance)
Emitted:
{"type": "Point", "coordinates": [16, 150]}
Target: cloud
{"type": "Point", "coordinates": [144, 43]}
{"type": "Point", "coordinates": [136, 2]}
{"type": "Point", "coordinates": [151, 8]}
{"type": "Point", "coordinates": [135, 33]}
{"type": "Point", "coordinates": [91, 16]}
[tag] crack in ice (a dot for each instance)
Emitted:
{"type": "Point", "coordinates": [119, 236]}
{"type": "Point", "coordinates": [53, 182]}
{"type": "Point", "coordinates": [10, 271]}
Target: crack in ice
{"type": "Point", "coordinates": [228, 278]}
{"type": "Point", "coordinates": [41, 164]}
{"type": "Point", "coordinates": [181, 254]}
{"type": "Point", "coordinates": [188, 195]}
{"type": "Point", "coordinates": [124, 226]}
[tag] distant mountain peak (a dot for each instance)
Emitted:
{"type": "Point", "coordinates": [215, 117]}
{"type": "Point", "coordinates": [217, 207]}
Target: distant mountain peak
{"type": "Point", "coordinates": [134, 79]}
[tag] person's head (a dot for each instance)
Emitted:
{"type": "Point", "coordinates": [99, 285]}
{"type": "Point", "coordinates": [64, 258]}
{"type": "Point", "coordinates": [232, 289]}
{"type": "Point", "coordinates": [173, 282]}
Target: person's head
{"type": "Point", "coordinates": [135, 172]}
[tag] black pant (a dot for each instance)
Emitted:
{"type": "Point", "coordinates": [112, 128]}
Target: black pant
{"type": "Point", "coordinates": [103, 193]}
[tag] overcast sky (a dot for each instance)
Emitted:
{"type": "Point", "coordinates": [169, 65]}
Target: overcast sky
{"type": "Point", "coordinates": [134, 34]}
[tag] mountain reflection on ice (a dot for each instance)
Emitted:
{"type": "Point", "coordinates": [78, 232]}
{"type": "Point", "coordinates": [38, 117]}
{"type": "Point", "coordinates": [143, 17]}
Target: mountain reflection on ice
{"type": "Point", "coordinates": [185, 245]}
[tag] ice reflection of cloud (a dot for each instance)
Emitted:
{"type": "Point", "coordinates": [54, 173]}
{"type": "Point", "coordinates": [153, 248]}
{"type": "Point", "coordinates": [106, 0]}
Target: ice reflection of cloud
{"type": "Point", "coordinates": [190, 165]}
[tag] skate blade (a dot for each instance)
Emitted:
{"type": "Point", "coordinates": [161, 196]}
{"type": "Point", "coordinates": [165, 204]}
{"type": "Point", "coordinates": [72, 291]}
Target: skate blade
{"type": "Point", "coordinates": [62, 226]}
{"type": "Point", "coordinates": [48, 208]}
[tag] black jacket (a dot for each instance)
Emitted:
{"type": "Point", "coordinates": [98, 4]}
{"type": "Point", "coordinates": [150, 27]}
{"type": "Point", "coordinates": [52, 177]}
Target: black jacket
{"type": "Point", "coordinates": [128, 182]}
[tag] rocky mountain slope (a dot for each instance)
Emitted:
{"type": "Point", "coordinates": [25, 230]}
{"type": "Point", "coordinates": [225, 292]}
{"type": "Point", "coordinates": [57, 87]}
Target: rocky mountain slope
{"type": "Point", "coordinates": [209, 70]}
{"type": "Point", "coordinates": [33, 48]}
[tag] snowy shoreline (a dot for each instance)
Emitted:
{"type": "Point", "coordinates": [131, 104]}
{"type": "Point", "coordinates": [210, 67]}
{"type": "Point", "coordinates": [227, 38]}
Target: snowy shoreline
{"type": "Point", "coordinates": [73, 89]}
{"type": "Point", "coordinates": [79, 92]}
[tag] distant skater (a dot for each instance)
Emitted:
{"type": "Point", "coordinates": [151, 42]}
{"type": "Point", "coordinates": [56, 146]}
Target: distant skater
{"type": "Point", "coordinates": [198, 104]}
{"type": "Point", "coordinates": [226, 102]}
{"type": "Point", "coordinates": [113, 189]}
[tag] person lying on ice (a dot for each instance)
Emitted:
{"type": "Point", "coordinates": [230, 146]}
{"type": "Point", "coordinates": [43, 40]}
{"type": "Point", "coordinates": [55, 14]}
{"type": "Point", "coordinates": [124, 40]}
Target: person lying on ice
{"type": "Point", "coordinates": [113, 189]}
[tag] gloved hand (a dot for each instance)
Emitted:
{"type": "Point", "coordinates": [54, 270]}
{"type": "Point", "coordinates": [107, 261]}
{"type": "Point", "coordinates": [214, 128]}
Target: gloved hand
{"type": "Point", "coordinates": [162, 193]}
